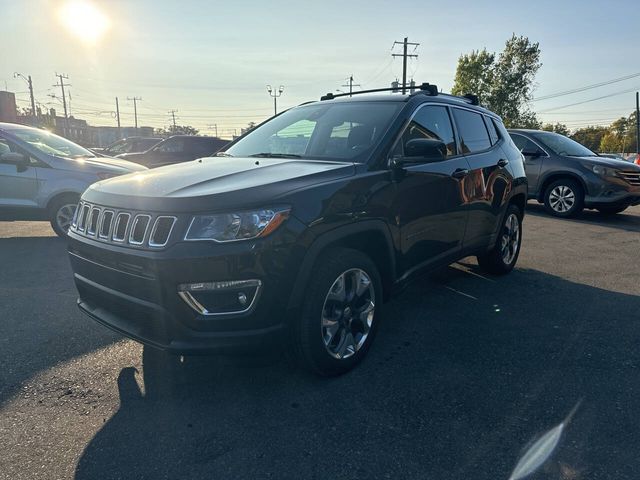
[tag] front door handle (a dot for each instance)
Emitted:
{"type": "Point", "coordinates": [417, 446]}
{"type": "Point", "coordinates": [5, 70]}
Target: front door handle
{"type": "Point", "coordinates": [460, 173]}
{"type": "Point", "coordinates": [503, 162]}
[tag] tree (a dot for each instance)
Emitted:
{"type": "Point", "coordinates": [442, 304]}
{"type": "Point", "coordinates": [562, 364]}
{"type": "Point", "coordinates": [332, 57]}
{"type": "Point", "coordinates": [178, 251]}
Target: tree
{"type": "Point", "coordinates": [178, 130]}
{"type": "Point", "coordinates": [560, 128]}
{"type": "Point", "coordinates": [503, 83]}
{"type": "Point", "coordinates": [590, 137]}
{"type": "Point", "coordinates": [248, 128]}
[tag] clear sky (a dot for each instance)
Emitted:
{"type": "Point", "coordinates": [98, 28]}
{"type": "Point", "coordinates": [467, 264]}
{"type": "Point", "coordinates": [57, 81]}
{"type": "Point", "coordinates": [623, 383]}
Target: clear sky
{"type": "Point", "coordinates": [211, 60]}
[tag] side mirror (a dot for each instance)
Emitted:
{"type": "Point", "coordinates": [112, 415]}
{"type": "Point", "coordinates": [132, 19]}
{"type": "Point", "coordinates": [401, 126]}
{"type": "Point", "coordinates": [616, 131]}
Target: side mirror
{"type": "Point", "coordinates": [14, 158]}
{"type": "Point", "coordinates": [531, 153]}
{"type": "Point", "coordinates": [424, 150]}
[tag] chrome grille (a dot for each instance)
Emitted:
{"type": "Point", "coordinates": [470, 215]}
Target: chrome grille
{"type": "Point", "coordinates": [632, 178]}
{"type": "Point", "coordinates": [123, 227]}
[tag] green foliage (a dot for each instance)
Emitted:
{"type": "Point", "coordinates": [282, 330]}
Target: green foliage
{"type": "Point", "coordinates": [590, 137]}
{"type": "Point", "coordinates": [560, 128]}
{"type": "Point", "coordinates": [503, 83]}
{"type": "Point", "coordinates": [178, 130]}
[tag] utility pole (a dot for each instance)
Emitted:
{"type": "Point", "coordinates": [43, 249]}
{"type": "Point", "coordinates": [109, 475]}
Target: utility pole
{"type": "Point", "coordinates": [638, 123]}
{"type": "Point", "coordinates": [118, 118]}
{"type": "Point", "coordinates": [135, 110]}
{"type": "Point", "coordinates": [275, 94]}
{"type": "Point", "coordinates": [62, 78]}
{"type": "Point", "coordinates": [173, 115]}
{"type": "Point", "coordinates": [215, 127]}
{"type": "Point", "coordinates": [33, 101]}
{"type": "Point", "coordinates": [405, 43]}
{"type": "Point", "coordinates": [350, 84]}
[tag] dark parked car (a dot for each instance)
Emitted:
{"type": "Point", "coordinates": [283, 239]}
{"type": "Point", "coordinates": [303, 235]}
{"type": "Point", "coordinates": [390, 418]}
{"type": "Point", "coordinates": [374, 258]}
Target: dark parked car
{"type": "Point", "coordinates": [567, 177]}
{"type": "Point", "coordinates": [302, 227]}
{"type": "Point", "coordinates": [177, 149]}
{"type": "Point", "coordinates": [43, 175]}
{"type": "Point", "coordinates": [128, 145]}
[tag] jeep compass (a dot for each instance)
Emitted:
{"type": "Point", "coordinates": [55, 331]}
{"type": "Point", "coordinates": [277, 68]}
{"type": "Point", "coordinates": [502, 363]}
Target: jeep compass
{"type": "Point", "coordinates": [301, 228]}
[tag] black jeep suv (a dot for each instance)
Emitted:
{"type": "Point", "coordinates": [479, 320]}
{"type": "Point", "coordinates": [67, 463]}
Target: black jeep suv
{"type": "Point", "coordinates": [301, 228]}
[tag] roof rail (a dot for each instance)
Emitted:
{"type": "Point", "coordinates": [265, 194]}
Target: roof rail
{"type": "Point", "coordinates": [468, 98]}
{"type": "Point", "coordinates": [425, 88]}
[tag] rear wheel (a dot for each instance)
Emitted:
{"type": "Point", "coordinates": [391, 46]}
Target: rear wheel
{"type": "Point", "coordinates": [503, 256]}
{"type": "Point", "coordinates": [564, 198]}
{"type": "Point", "coordinates": [611, 210]}
{"type": "Point", "coordinates": [61, 212]}
{"type": "Point", "coordinates": [340, 314]}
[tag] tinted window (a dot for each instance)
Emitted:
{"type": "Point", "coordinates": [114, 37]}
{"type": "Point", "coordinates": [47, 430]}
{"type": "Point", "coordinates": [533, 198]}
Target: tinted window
{"type": "Point", "coordinates": [431, 122]}
{"type": "Point", "coordinates": [171, 145]}
{"type": "Point", "coordinates": [493, 133]}
{"type": "Point", "coordinates": [201, 146]}
{"type": "Point", "coordinates": [523, 143]}
{"type": "Point", "coordinates": [473, 132]}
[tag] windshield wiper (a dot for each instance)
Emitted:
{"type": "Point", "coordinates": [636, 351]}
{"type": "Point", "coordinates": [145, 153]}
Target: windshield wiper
{"type": "Point", "coordinates": [276, 155]}
{"type": "Point", "coordinates": [223, 154]}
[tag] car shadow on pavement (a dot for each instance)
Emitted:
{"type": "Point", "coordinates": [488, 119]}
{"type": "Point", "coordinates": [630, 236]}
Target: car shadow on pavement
{"type": "Point", "coordinates": [466, 370]}
{"type": "Point", "coordinates": [40, 322]}
{"type": "Point", "coordinates": [629, 220]}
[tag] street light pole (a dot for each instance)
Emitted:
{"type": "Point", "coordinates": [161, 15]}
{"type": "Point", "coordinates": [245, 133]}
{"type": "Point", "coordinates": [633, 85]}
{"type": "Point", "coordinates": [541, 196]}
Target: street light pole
{"type": "Point", "coordinates": [275, 94]}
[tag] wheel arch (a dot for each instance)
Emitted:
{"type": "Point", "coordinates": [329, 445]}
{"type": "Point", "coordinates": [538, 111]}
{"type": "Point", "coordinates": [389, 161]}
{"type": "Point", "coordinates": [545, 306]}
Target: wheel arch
{"type": "Point", "coordinates": [370, 237]}
{"type": "Point", "coordinates": [552, 177]}
{"type": "Point", "coordinates": [60, 195]}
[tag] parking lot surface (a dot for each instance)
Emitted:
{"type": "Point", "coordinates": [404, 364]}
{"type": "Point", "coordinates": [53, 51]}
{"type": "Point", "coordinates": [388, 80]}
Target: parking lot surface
{"type": "Point", "coordinates": [467, 369]}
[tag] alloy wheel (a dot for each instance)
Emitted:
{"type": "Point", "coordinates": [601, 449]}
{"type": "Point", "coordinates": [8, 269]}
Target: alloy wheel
{"type": "Point", "coordinates": [347, 313]}
{"type": "Point", "coordinates": [510, 241]}
{"type": "Point", "coordinates": [64, 216]}
{"type": "Point", "coordinates": [562, 199]}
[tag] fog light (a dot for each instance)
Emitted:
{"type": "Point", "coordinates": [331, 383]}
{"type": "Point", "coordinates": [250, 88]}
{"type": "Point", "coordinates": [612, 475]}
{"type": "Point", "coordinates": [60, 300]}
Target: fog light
{"type": "Point", "coordinates": [221, 298]}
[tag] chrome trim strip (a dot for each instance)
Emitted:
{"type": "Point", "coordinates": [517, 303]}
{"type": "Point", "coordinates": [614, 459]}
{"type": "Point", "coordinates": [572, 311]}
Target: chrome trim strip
{"type": "Point", "coordinates": [134, 224]}
{"type": "Point", "coordinates": [92, 214]}
{"type": "Point", "coordinates": [199, 308]}
{"type": "Point", "coordinates": [155, 226]}
{"type": "Point", "coordinates": [108, 235]}
{"type": "Point", "coordinates": [117, 224]}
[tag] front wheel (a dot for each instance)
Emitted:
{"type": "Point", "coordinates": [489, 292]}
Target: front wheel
{"type": "Point", "coordinates": [564, 198]}
{"type": "Point", "coordinates": [340, 313]}
{"type": "Point", "coordinates": [61, 214]}
{"type": "Point", "coordinates": [503, 256]}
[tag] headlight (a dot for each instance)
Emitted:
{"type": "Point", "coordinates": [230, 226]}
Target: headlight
{"type": "Point", "coordinates": [603, 171]}
{"type": "Point", "coordinates": [229, 227]}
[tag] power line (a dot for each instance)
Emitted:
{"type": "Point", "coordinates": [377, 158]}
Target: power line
{"type": "Point", "coordinates": [588, 101]}
{"type": "Point", "coordinates": [588, 87]}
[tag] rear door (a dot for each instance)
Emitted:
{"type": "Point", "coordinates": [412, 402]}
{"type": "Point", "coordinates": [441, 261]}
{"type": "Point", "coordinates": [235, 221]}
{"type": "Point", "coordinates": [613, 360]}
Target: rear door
{"type": "Point", "coordinates": [429, 205]}
{"type": "Point", "coordinates": [488, 182]}
{"type": "Point", "coordinates": [532, 163]}
{"type": "Point", "coordinates": [18, 186]}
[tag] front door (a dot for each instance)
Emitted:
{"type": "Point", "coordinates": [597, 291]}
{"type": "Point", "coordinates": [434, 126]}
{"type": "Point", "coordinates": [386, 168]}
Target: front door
{"type": "Point", "coordinates": [18, 186]}
{"type": "Point", "coordinates": [430, 207]}
{"type": "Point", "coordinates": [532, 163]}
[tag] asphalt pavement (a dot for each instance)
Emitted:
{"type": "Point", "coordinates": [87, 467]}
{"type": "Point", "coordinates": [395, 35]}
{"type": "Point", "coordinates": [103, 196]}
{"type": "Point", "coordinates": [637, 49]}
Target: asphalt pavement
{"type": "Point", "coordinates": [466, 371]}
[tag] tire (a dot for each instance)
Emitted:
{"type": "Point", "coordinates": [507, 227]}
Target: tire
{"type": "Point", "coordinates": [564, 198]}
{"type": "Point", "coordinates": [61, 212]}
{"type": "Point", "coordinates": [501, 259]}
{"type": "Point", "coordinates": [611, 210]}
{"type": "Point", "coordinates": [340, 314]}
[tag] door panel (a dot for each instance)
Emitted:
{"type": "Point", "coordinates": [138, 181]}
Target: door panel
{"type": "Point", "coordinates": [17, 188]}
{"type": "Point", "coordinates": [431, 212]}
{"type": "Point", "coordinates": [532, 165]}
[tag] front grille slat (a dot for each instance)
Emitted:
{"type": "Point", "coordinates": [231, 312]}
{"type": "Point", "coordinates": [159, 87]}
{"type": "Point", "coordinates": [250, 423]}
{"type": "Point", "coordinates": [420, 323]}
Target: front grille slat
{"type": "Point", "coordinates": [632, 178]}
{"type": "Point", "coordinates": [135, 229]}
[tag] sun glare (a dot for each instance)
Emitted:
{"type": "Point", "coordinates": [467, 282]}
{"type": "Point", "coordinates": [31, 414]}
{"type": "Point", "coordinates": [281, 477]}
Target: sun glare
{"type": "Point", "coordinates": [84, 20]}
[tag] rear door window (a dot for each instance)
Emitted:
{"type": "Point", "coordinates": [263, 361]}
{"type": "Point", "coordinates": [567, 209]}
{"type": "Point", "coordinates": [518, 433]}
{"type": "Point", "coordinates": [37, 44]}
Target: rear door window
{"type": "Point", "coordinates": [473, 133]}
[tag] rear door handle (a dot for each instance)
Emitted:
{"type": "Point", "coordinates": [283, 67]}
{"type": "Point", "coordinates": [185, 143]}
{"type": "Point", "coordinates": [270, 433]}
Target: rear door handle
{"type": "Point", "coordinates": [503, 162]}
{"type": "Point", "coordinates": [460, 173]}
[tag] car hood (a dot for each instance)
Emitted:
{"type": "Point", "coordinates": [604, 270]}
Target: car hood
{"type": "Point", "coordinates": [610, 162]}
{"type": "Point", "coordinates": [214, 183]}
{"type": "Point", "coordinates": [100, 164]}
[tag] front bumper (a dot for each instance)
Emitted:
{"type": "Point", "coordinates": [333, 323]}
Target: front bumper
{"type": "Point", "coordinates": [135, 292]}
{"type": "Point", "coordinates": [612, 192]}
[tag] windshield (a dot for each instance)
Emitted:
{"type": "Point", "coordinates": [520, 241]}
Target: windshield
{"type": "Point", "coordinates": [338, 131]}
{"type": "Point", "coordinates": [562, 145]}
{"type": "Point", "coordinates": [50, 143]}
